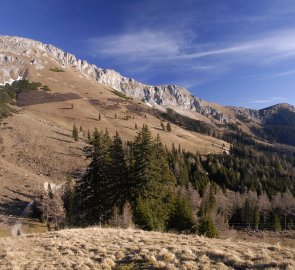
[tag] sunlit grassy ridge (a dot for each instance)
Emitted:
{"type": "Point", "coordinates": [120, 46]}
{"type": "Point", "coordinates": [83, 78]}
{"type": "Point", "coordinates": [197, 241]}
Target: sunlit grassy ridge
{"type": "Point", "coordinates": [96, 248]}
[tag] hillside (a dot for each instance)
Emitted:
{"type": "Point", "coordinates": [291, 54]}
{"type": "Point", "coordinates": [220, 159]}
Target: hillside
{"type": "Point", "coordinates": [96, 248]}
{"type": "Point", "coordinates": [22, 58]}
{"type": "Point", "coordinates": [226, 154]}
{"type": "Point", "coordinates": [35, 141]}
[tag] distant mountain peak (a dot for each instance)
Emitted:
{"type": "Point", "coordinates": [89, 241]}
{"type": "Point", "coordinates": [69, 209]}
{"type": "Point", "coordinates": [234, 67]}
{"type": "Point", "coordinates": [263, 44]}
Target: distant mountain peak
{"type": "Point", "coordinates": [279, 106]}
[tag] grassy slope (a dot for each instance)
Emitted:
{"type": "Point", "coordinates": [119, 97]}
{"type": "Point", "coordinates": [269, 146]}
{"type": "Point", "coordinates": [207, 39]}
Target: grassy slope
{"type": "Point", "coordinates": [96, 248]}
{"type": "Point", "coordinates": [36, 144]}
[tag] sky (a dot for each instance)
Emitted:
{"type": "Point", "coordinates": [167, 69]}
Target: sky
{"type": "Point", "coordinates": [233, 52]}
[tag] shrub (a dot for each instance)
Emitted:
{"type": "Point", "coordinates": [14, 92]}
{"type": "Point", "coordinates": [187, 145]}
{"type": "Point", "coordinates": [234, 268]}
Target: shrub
{"type": "Point", "coordinates": [182, 216]}
{"type": "Point", "coordinates": [56, 69]}
{"type": "Point", "coordinates": [123, 219]}
{"type": "Point", "coordinates": [45, 88]}
{"type": "Point", "coordinates": [121, 95]}
{"type": "Point", "coordinates": [207, 227]}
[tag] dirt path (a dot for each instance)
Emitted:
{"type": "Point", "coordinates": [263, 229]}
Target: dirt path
{"type": "Point", "coordinates": [16, 228]}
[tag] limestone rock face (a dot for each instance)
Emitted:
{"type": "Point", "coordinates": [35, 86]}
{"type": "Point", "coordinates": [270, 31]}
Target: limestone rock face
{"type": "Point", "coordinates": [16, 51]}
{"type": "Point", "coordinates": [246, 113]}
{"type": "Point", "coordinates": [161, 95]}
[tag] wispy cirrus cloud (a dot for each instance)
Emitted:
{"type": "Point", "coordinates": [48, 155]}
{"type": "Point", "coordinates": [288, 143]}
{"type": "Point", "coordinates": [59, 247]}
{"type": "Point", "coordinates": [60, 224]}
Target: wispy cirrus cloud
{"type": "Point", "coordinates": [155, 47]}
{"type": "Point", "coordinates": [269, 100]}
{"type": "Point", "coordinates": [279, 74]}
{"type": "Point", "coordinates": [140, 46]}
{"type": "Point", "coordinates": [147, 54]}
{"type": "Point", "coordinates": [269, 48]}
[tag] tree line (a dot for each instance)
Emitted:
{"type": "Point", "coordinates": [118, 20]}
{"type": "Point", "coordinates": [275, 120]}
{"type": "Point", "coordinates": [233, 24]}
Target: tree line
{"type": "Point", "coordinates": [143, 183]}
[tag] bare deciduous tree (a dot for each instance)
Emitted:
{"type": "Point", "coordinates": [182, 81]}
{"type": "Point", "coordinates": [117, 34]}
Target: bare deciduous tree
{"type": "Point", "coordinates": [50, 207]}
{"type": "Point", "coordinates": [123, 219]}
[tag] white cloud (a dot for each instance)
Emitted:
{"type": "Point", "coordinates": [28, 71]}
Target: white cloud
{"type": "Point", "coordinates": [137, 46]}
{"type": "Point", "coordinates": [154, 47]}
{"type": "Point", "coordinates": [269, 48]}
{"type": "Point", "coordinates": [149, 53]}
{"type": "Point", "coordinates": [269, 100]}
{"type": "Point", "coordinates": [279, 74]}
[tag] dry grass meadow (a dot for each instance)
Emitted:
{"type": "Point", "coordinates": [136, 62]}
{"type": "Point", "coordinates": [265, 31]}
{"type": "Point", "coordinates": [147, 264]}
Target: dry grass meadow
{"type": "Point", "coordinates": [97, 248]}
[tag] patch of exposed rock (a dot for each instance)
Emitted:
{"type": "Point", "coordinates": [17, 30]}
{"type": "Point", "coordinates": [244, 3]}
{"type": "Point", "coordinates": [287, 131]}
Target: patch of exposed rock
{"type": "Point", "coordinates": [162, 95]}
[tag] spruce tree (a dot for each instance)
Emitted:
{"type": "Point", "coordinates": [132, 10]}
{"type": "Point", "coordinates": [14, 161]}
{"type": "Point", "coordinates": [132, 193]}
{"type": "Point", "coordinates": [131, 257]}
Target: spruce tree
{"type": "Point", "coordinates": [256, 218]}
{"type": "Point", "coordinates": [88, 136]}
{"type": "Point", "coordinates": [118, 173]}
{"type": "Point", "coordinates": [168, 127]}
{"type": "Point", "coordinates": [142, 156]}
{"type": "Point", "coordinates": [206, 224]}
{"type": "Point", "coordinates": [69, 199]}
{"type": "Point", "coordinates": [93, 189]}
{"type": "Point", "coordinates": [277, 223]}
{"type": "Point", "coordinates": [207, 227]}
{"type": "Point", "coordinates": [75, 133]}
{"type": "Point", "coordinates": [179, 148]}
{"type": "Point", "coordinates": [152, 182]}
{"type": "Point", "coordinates": [182, 217]}
{"type": "Point", "coordinates": [163, 126]}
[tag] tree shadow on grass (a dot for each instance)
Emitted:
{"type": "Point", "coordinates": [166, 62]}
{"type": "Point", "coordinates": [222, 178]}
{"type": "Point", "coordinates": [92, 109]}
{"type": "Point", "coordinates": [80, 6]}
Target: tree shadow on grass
{"type": "Point", "coordinates": [13, 207]}
{"type": "Point", "coordinates": [29, 196]}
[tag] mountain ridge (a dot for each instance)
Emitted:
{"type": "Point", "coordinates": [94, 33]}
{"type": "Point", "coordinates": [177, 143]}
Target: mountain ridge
{"type": "Point", "coordinates": [158, 96]}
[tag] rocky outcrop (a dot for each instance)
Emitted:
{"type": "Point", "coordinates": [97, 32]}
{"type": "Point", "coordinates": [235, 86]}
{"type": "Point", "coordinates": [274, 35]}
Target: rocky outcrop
{"type": "Point", "coordinates": [262, 115]}
{"type": "Point", "coordinates": [163, 96]}
{"type": "Point", "coordinates": [245, 113]}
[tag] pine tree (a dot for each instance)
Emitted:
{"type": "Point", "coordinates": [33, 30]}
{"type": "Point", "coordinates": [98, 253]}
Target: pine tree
{"type": "Point", "coordinates": [88, 136]}
{"type": "Point", "coordinates": [142, 155]}
{"type": "Point", "coordinates": [75, 133]}
{"type": "Point", "coordinates": [179, 148]}
{"type": "Point", "coordinates": [69, 199]}
{"type": "Point", "coordinates": [163, 126]}
{"type": "Point", "coordinates": [93, 189]}
{"type": "Point", "coordinates": [248, 214]}
{"type": "Point", "coordinates": [208, 201]}
{"type": "Point", "coordinates": [182, 217]}
{"type": "Point", "coordinates": [118, 172]}
{"type": "Point", "coordinates": [144, 216]}
{"type": "Point", "coordinates": [152, 182]}
{"type": "Point", "coordinates": [81, 128]}
{"type": "Point", "coordinates": [277, 223]}
{"type": "Point", "coordinates": [174, 151]}
{"type": "Point", "coordinates": [207, 227]}
{"type": "Point", "coordinates": [184, 175]}
{"type": "Point", "coordinates": [256, 218]}
{"type": "Point", "coordinates": [168, 127]}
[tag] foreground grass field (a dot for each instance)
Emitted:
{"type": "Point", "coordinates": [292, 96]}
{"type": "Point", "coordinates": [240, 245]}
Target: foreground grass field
{"type": "Point", "coordinates": [96, 248]}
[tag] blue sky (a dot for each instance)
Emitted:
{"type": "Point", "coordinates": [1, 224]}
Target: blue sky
{"type": "Point", "coordinates": [232, 52]}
